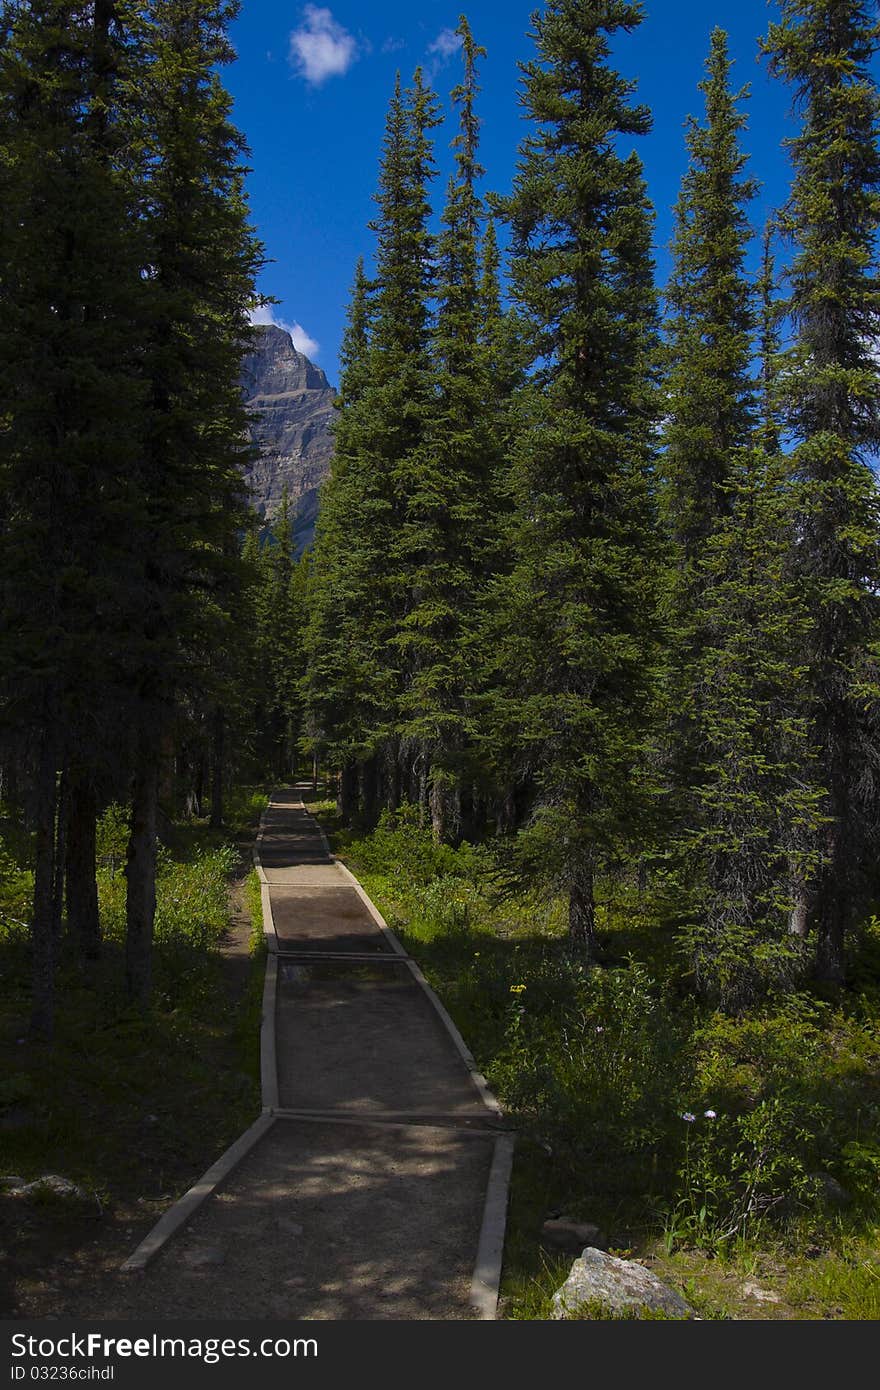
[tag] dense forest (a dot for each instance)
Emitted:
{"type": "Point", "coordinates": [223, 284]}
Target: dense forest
{"type": "Point", "coordinates": [592, 615]}
{"type": "Point", "coordinates": [599, 580]}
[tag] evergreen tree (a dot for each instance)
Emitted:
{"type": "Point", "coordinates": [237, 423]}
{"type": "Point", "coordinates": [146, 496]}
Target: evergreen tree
{"type": "Point", "coordinates": [71, 291]}
{"type": "Point", "coordinates": [348, 605]}
{"type": "Point", "coordinates": [710, 394]}
{"type": "Point", "coordinates": [360, 584]}
{"type": "Point", "coordinates": [280, 617]}
{"type": "Point", "coordinates": [448, 508]}
{"type": "Point", "coordinates": [582, 603]}
{"type": "Point", "coordinates": [831, 411]}
{"type": "Point", "coordinates": [745, 844]}
{"type": "Point", "coordinates": [709, 384]}
{"type": "Point", "coordinates": [733, 619]}
{"type": "Point", "coordinates": [203, 260]}
{"type": "Point", "coordinates": [769, 344]}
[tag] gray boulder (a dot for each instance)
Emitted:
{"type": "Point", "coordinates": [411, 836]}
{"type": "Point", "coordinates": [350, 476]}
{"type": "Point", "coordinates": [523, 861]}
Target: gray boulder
{"type": "Point", "coordinates": [51, 1185]}
{"type": "Point", "coordinates": [620, 1286]}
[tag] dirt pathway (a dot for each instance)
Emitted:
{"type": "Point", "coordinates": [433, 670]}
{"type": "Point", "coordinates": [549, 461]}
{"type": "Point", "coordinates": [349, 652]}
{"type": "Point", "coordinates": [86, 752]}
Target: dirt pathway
{"type": "Point", "coordinates": [366, 1194]}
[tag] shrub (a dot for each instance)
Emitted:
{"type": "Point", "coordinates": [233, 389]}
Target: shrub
{"type": "Point", "coordinates": [16, 889]}
{"type": "Point", "coordinates": [592, 1058]}
{"type": "Point", "coordinates": [192, 900]}
{"type": "Point", "coordinates": [740, 1170]}
{"type": "Point", "coordinates": [403, 849]}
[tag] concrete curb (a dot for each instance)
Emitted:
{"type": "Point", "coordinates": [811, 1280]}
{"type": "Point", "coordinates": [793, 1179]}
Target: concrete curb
{"type": "Point", "coordinates": [392, 1119]}
{"type": "Point", "coordinates": [186, 1206]}
{"type": "Point", "coordinates": [268, 1054]}
{"type": "Point", "coordinates": [256, 850]}
{"type": "Point", "coordinates": [269, 932]}
{"type": "Point", "coordinates": [490, 1251]}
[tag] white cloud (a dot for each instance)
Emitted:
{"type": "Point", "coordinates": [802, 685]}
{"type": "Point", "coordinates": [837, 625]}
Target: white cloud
{"type": "Point", "coordinates": [393, 45]}
{"type": "Point", "coordinates": [320, 47]}
{"type": "Point", "coordinates": [446, 44]}
{"type": "Point", "coordinates": [302, 341]}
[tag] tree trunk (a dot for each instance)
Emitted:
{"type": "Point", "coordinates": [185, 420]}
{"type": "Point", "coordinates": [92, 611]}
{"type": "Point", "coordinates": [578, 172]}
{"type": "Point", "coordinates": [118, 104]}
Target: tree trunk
{"type": "Point", "coordinates": [347, 793]}
{"type": "Point", "coordinates": [391, 775]}
{"type": "Point", "coordinates": [9, 782]}
{"type": "Point", "coordinates": [445, 804]}
{"type": "Point", "coordinates": [314, 772]}
{"type": "Point", "coordinates": [83, 919]}
{"type": "Point", "coordinates": [141, 872]}
{"type": "Point", "coordinates": [368, 792]}
{"type": "Point", "coordinates": [831, 909]}
{"type": "Point", "coordinates": [218, 747]}
{"type": "Point", "coordinates": [63, 798]}
{"type": "Point", "coordinates": [43, 924]}
{"type": "Point", "coordinates": [505, 817]}
{"type": "Point", "coordinates": [582, 914]}
{"type": "Point", "coordinates": [420, 784]}
{"type": "Point", "coordinates": [799, 917]}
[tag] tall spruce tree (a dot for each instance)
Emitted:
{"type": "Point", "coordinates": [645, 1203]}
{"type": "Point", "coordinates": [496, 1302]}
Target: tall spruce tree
{"type": "Point", "coordinates": [280, 617]}
{"type": "Point", "coordinates": [72, 413]}
{"type": "Point", "coordinates": [203, 259]}
{"type": "Point", "coordinates": [339, 658]}
{"type": "Point", "coordinates": [581, 601]}
{"type": "Point", "coordinates": [709, 382]}
{"type": "Point", "coordinates": [448, 503]}
{"type": "Point", "coordinates": [733, 620]}
{"type": "Point", "coordinates": [360, 586]}
{"type": "Point", "coordinates": [831, 411]}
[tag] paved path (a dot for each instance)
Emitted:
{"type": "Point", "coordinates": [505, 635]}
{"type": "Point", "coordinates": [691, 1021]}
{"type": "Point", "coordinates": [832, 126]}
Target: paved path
{"type": "Point", "coordinates": [375, 1183]}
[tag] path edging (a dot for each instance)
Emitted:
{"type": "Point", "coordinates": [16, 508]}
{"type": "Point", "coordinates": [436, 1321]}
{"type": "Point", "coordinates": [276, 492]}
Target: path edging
{"type": "Point", "coordinates": [186, 1206]}
{"type": "Point", "coordinates": [486, 1280]}
{"type": "Point", "coordinates": [479, 1081]}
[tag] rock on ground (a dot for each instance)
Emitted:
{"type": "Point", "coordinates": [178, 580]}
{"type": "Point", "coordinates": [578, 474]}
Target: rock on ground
{"type": "Point", "coordinates": [621, 1286]}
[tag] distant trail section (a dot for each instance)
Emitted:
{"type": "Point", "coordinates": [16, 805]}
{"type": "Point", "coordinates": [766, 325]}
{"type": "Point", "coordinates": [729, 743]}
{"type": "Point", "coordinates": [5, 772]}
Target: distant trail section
{"type": "Point", "coordinates": [374, 1185]}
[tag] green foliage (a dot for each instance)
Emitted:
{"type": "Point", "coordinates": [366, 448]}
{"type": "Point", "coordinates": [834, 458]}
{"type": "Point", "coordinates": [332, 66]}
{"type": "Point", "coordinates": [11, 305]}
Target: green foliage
{"type": "Point", "coordinates": [847, 1284]}
{"type": "Point", "coordinates": [578, 635]}
{"type": "Point", "coordinates": [740, 1171]}
{"type": "Point", "coordinates": [16, 891]}
{"type": "Point", "coordinates": [828, 398]}
{"type": "Point", "coordinates": [711, 326]}
{"type": "Point", "coordinates": [244, 807]}
{"type": "Point", "coordinates": [192, 900]}
{"type": "Point", "coordinates": [253, 896]}
{"type": "Point", "coordinates": [272, 722]}
{"type": "Point", "coordinates": [403, 849]}
{"type": "Point", "coordinates": [111, 837]}
{"type": "Point", "coordinates": [592, 1060]}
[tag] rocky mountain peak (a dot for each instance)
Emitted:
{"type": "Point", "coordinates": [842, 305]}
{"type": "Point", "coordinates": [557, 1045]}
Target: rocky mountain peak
{"type": "Point", "coordinates": [291, 404]}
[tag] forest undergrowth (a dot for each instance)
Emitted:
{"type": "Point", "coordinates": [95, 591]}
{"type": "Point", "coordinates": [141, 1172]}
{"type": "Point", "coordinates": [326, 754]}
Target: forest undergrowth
{"type": "Point", "coordinates": [129, 1106]}
{"type": "Point", "coordinates": [724, 1150]}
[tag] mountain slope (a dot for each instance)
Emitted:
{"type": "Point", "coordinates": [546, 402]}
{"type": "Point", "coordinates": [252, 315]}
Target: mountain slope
{"type": "Point", "coordinates": [291, 405]}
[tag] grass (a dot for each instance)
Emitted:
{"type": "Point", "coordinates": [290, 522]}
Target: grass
{"type": "Point", "coordinates": [129, 1106]}
{"type": "Point", "coordinates": [599, 1067]}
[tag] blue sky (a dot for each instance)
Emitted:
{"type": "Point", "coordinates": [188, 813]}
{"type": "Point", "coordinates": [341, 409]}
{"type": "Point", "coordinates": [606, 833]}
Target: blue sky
{"type": "Point", "coordinates": [311, 88]}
